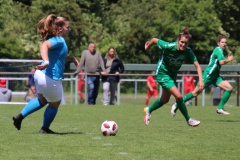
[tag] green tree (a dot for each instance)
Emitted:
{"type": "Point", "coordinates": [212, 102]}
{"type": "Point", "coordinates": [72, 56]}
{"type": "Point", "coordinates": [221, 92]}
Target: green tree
{"type": "Point", "coordinates": [228, 12]}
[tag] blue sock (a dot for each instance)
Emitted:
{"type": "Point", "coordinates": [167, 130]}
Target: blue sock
{"type": "Point", "coordinates": [31, 107]}
{"type": "Point", "coordinates": [49, 116]}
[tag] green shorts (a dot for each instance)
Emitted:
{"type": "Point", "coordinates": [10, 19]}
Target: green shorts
{"type": "Point", "coordinates": [166, 81]}
{"type": "Point", "coordinates": [213, 79]}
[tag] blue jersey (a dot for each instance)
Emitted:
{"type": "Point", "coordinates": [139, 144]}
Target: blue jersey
{"type": "Point", "coordinates": [57, 58]}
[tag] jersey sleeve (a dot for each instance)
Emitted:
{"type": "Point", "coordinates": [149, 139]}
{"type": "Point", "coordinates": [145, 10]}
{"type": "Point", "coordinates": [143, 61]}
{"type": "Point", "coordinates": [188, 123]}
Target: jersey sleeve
{"type": "Point", "coordinates": [219, 53]}
{"type": "Point", "coordinates": [162, 44]}
{"type": "Point", "coordinates": [56, 42]}
{"type": "Point", "coordinates": [191, 56]}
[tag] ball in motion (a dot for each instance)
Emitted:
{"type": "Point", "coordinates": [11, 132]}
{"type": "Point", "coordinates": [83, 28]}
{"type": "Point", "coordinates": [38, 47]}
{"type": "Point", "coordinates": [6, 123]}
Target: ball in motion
{"type": "Point", "coordinates": [109, 128]}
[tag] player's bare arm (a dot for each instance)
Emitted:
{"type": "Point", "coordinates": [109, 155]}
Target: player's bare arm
{"type": "Point", "coordinates": [150, 43]}
{"type": "Point", "coordinates": [227, 60]}
{"type": "Point", "coordinates": [199, 71]}
{"type": "Point", "coordinates": [45, 46]}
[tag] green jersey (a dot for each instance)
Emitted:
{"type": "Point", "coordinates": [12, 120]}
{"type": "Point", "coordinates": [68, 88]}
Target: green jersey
{"type": "Point", "coordinates": [214, 67]}
{"type": "Point", "coordinates": [172, 59]}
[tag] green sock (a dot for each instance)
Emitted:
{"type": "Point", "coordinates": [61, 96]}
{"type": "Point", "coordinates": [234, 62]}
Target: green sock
{"type": "Point", "coordinates": [224, 99]}
{"type": "Point", "coordinates": [187, 97]}
{"type": "Point", "coordinates": [183, 109]}
{"type": "Point", "coordinates": [157, 104]}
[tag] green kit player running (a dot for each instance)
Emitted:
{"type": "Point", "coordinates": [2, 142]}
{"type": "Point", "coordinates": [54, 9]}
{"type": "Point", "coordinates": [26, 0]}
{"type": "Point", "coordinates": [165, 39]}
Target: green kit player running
{"type": "Point", "coordinates": [173, 56]}
{"type": "Point", "coordinates": [211, 76]}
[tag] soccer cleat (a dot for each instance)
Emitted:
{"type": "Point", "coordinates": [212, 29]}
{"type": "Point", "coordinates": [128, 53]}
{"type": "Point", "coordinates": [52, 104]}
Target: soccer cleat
{"type": "Point", "coordinates": [17, 121]}
{"type": "Point", "coordinates": [44, 130]}
{"type": "Point", "coordinates": [147, 116]}
{"type": "Point", "coordinates": [193, 122]}
{"type": "Point", "coordinates": [174, 109]}
{"type": "Point", "coordinates": [222, 111]}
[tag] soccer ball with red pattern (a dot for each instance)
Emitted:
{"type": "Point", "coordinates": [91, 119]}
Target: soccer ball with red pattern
{"type": "Point", "coordinates": [109, 128]}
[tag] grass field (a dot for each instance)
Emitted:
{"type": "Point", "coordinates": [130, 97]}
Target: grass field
{"type": "Point", "coordinates": [166, 138]}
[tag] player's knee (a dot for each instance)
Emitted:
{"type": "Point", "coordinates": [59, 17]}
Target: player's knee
{"type": "Point", "coordinates": [179, 97]}
{"type": "Point", "coordinates": [195, 94]}
{"type": "Point", "coordinates": [230, 88]}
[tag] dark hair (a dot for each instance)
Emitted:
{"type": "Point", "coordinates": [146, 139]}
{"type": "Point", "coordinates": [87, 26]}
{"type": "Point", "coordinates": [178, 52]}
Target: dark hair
{"type": "Point", "coordinates": [220, 37]}
{"type": "Point", "coordinates": [184, 33]}
{"type": "Point", "coordinates": [48, 26]}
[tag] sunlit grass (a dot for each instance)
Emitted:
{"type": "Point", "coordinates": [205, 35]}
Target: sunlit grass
{"type": "Point", "coordinates": [165, 138]}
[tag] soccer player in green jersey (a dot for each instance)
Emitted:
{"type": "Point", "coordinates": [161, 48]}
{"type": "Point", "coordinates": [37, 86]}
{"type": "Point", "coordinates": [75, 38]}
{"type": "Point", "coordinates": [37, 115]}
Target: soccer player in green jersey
{"type": "Point", "coordinates": [173, 56]}
{"type": "Point", "coordinates": [211, 76]}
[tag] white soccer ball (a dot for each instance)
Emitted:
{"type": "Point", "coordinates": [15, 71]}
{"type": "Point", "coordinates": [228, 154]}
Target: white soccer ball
{"type": "Point", "coordinates": [109, 128]}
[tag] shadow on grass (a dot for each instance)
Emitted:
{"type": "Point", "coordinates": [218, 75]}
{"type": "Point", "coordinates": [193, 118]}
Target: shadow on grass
{"type": "Point", "coordinates": [63, 133]}
{"type": "Point", "coordinates": [66, 133]}
{"type": "Point", "coordinates": [228, 120]}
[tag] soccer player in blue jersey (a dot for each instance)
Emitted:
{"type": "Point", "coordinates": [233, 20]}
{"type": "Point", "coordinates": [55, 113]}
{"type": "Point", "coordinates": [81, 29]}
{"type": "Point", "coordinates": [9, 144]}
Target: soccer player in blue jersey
{"type": "Point", "coordinates": [48, 76]}
{"type": "Point", "coordinates": [173, 56]}
{"type": "Point", "coordinates": [211, 76]}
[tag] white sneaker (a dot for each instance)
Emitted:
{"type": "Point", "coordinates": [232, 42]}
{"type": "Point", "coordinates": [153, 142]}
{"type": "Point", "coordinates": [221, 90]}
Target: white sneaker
{"type": "Point", "coordinates": [222, 111]}
{"type": "Point", "coordinates": [193, 122]}
{"type": "Point", "coordinates": [174, 109]}
{"type": "Point", "coordinates": [147, 116]}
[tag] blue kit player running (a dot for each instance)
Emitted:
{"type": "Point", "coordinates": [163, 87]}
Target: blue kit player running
{"type": "Point", "coordinates": [48, 76]}
{"type": "Point", "coordinates": [173, 56]}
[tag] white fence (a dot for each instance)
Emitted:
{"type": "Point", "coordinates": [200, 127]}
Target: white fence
{"type": "Point", "coordinates": [73, 82]}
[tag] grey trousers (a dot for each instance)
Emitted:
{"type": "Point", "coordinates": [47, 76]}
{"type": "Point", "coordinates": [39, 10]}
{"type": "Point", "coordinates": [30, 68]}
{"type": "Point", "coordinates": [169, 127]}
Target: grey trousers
{"type": "Point", "coordinates": [109, 87]}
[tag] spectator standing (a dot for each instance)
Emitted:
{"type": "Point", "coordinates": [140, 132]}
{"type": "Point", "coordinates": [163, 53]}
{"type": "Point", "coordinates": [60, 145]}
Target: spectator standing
{"type": "Point", "coordinates": [151, 88]}
{"type": "Point", "coordinates": [91, 60]}
{"type": "Point", "coordinates": [5, 93]}
{"type": "Point", "coordinates": [189, 85]}
{"type": "Point", "coordinates": [113, 65]}
{"type": "Point", "coordinates": [30, 79]}
{"type": "Point", "coordinates": [49, 74]}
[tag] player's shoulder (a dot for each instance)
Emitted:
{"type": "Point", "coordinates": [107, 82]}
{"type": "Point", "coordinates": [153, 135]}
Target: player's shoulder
{"type": "Point", "coordinates": [166, 43]}
{"type": "Point", "coordinates": [56, 38]}
{"type": "Point", "coordinates": [218, 49]}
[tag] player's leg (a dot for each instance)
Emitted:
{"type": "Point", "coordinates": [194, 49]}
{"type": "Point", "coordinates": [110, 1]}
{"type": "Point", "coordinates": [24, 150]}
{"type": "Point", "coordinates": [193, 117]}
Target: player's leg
{"type": "Point", "coordinates": [227, 93]}
{"type": "Point", "coordinates": [186, 97]}
{"type": "Point", "coordinates": [80, 91]}
{"type": "Point", "coordinates": [155, 94]}
{"type": "Point", "coordinates": [149, 94]}
{"type": "Point", "coordinates": [166, 82]}
{"type": "Point", "coordinates": [34, 104]}
{"type": "Point", "coordinates": [105, 93]}
{"type": "Point", "coordinates": [206, 80]}
{"type": "Point", "coordinates": [113, 88]}
{"type": "Point", "coordinates": [31, 107]}
{"type": "Point", "coordinates": [53, 94]}
{"type": "Point", "coordinates": [156, 105]}
{"type": "Point", "coordinates": [48, 117]}
{"type": "Point", "coordinates": [181, 105]}
{"type": "Point", "coordinates": [186, 91]}
{"type": "Point", "coordinates": [90, 83]}
{"type": "Point", "coordinates": [96, 88]}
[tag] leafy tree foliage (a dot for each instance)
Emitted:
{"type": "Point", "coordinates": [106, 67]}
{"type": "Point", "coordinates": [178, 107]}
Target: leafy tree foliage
{"type": "Point", "coordinates": [125, 25]}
